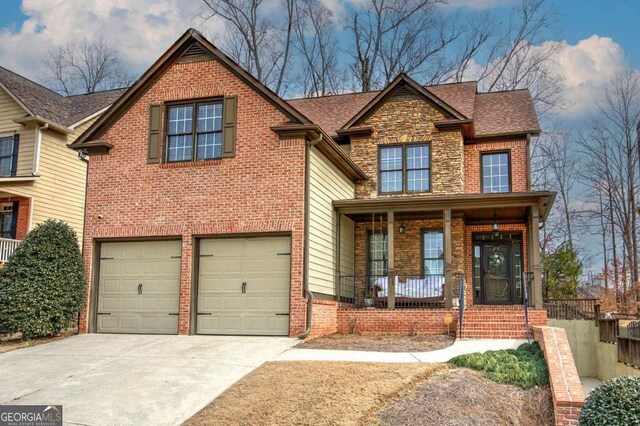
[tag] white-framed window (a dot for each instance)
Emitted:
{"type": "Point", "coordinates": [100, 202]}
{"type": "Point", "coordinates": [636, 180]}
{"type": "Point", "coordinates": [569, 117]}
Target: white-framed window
{"type": "Point", "coordinates": [405, 168]}
{"type": "Point", "coordinates": [194, 131]}
{"type": "Point", "coordinates": [496, 176]}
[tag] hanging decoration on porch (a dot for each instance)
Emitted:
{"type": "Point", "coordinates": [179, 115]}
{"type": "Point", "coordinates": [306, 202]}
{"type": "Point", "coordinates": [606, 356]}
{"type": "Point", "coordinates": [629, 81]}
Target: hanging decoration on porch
{"type": "Point", "coordinates": [496, 259]}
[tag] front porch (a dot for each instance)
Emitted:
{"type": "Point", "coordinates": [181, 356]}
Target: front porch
{"type": "Point", "coordinates": [474, 250]}
{"type": "Point", "coordinates": [15, 217]}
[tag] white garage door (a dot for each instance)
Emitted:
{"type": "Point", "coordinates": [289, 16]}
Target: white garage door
{"type": "Point", "coordinates": [243, 286]}
{"type": "Point", "coordinates": [139, 287]}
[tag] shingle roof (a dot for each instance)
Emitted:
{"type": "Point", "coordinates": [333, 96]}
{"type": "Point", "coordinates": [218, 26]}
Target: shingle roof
{"type": "Point", "coordinates": [492, 113]}
{"type": "Point", "coordinates": [45, 103]}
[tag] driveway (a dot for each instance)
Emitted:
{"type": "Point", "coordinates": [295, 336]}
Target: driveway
{"type": "Point", "coordinates": [106, 379]}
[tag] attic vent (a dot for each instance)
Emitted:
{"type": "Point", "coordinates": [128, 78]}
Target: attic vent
{"type": "Point", "coordinates": [194, 50]}
{"type": "Point", "coordinates": [404, 91]}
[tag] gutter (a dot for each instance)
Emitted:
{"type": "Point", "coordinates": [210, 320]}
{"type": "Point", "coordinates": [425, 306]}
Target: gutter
{"type": "Point", "coordinates": [305, 272]}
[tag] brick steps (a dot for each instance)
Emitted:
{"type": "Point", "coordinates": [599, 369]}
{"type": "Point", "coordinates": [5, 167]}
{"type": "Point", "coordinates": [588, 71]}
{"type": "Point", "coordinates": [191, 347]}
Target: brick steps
{"type": "Point", "coordinates": [500, 322]}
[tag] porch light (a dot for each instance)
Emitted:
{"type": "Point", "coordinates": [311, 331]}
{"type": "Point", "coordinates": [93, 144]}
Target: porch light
{"type": "Point", "coordinates": [496, 230]}
{"type": "Point", "coordinates": [401, 229]}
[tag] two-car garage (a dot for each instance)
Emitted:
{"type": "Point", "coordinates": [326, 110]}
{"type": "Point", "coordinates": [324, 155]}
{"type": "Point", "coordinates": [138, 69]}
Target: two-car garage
{"type": "Point", "coordinates": [241, 286]}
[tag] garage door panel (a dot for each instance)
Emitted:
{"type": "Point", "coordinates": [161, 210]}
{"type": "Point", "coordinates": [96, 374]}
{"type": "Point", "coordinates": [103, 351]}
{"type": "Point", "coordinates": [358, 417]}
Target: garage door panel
{"type": "Point", "coordinates": [264, 264]}
{"type": "Point", "coordinates": [134, 309]}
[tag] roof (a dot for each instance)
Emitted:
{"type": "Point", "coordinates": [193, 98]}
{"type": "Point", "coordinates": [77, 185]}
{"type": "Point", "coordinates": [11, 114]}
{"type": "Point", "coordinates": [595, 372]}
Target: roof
{"type": "Point", "coordinates": [49, 105]}
{"type": "Point", "coordinates": [495, 113]}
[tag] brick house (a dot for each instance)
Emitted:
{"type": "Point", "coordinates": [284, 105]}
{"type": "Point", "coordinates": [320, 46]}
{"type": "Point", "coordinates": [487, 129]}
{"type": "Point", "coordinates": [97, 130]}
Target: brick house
{"type": "Point", "coordinates": [216, 207]}
{"type": "Point", "coordinates": [40, 177]}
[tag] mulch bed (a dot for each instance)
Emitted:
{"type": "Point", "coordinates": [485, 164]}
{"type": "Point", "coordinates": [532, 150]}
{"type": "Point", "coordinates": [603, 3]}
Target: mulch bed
{"type": "Point", "coordinates": [379, 343]}
{"type": "Point", "coordinates": [15, 341]}
{"type": "Point", "coordinates": [461, 397]}
{"type": "Point", "coordinates": [313, 393]}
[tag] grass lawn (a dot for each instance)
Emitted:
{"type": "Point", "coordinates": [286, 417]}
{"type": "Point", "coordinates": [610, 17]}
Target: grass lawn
{"type": "Point", "coordinates": [380, 343]}
{"type": "Point", "coordinates": [341, 393]}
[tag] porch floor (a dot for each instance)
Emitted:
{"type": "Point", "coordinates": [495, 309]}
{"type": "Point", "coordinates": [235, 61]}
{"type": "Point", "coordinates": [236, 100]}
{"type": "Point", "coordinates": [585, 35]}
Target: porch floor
{"type": "Point", "coordinates": [459, 347]}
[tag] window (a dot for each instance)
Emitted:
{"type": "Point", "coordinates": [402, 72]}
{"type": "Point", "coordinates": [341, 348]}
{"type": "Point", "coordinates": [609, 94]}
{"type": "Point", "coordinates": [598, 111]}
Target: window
{"type": "Point", "coordinates": [194, 131]}
{"type": "Point", "coordinates": [6, 220]}
{"type": "Point", "coordinates": [405, 168]}
{"type": "Point", "coordinates": [433, 252]}
{"type": "Point", "coordinates": [6, 156]}
{"type": "Point", "coordinates": [495, 172]}
{"type": "Point", "coordinates": [378, 256]}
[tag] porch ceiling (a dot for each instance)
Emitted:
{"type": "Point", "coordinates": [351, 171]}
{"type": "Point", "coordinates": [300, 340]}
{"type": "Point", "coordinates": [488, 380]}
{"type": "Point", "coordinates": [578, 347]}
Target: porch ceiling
{"type": "Point", "coordinates": [474, 207]}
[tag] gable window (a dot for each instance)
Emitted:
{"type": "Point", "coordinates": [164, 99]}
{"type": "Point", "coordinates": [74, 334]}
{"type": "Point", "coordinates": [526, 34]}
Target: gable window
{"type": "Point", "coordinates": [433, 252]}
{"type": "Point", "coordinates": [496, 175]}
{"type": "Point", "coordinates": [405, 168]}
{"type": "Point", "coordinates": [7, 163]}
{"type": "Point", "coordinates": [194, 131]}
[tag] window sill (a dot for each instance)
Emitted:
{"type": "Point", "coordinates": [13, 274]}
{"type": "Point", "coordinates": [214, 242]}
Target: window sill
{"type": "Point", "coordinates": [182, 164]}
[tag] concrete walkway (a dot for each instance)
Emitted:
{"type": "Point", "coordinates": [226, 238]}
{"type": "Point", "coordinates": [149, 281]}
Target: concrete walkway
{"type": "Point", "coordinates": [589, 384]}
{"type": "Point", "coordinates": [103, 379]}
{"type": "Point", "coordinates": [459, 347]}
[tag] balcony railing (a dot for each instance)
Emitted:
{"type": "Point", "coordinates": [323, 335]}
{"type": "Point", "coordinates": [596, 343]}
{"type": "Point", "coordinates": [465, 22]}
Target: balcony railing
{"type": "Point", "coordinates": [411, 291]}
{"type": "Point", "coordinates": [7, 247]}
{"type": "Point", "coordinates": [571, 308]}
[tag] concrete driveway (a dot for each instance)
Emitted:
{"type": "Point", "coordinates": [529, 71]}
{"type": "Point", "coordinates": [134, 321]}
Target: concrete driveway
{"type": "Point", "coordinates": [103, 379]}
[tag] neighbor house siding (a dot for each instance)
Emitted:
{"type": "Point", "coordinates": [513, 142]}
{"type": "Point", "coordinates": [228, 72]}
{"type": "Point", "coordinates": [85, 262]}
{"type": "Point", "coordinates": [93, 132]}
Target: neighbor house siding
{"type": "Point", "coordinates": [326, 183]}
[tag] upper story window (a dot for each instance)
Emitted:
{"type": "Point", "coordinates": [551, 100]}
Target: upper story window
{"type": "Point", "coordinates": [405, 168]}
{"type": "Point", "coordinates": [194, 131]}
{"type": "Point", "coordinates": [8, 157]}
{"type": "Point", "coordinates": [496, 175]}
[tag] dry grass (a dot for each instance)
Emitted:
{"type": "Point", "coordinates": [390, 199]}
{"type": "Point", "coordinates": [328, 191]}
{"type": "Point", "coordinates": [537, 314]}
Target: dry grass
{"type": "Point", "coordinates": [380, 343]}
{"type": "Point", "coordinates": [318, 393]}
{"type": "Point", "coordinates": [462, 397]}
{"type": "Point", "coordinates": [14, 342]}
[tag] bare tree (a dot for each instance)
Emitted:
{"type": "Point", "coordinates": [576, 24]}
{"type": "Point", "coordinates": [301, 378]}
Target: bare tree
{"type": "Point", "coordinates": [394, 36]}
{"type": "Point", "coordinates": [315, 41]}
{"type": "Point", "coordinates": [259, 41]}
{"type": "Point", "coordinates": [85, 67]}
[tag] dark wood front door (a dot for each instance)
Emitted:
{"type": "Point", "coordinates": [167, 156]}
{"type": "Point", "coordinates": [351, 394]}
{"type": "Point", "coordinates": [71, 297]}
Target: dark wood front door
{"type": "Point", "coordinates": [497, 277]}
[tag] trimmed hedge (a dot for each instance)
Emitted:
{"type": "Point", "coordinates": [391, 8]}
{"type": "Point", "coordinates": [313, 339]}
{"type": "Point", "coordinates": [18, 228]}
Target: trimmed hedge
{"type": "Point", "coordinates": [614, 402]}
{"type": "Point", "coordinates": [42, 286]}
{"type": "Point", "coordinates": [524, 367]}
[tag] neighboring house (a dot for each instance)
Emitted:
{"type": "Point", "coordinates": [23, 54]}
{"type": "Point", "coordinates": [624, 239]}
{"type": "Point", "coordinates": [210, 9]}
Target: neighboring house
{"type": "Point", "coordinates": [40, 177]}
{"type": "Point", "coordinates": [213, 205]}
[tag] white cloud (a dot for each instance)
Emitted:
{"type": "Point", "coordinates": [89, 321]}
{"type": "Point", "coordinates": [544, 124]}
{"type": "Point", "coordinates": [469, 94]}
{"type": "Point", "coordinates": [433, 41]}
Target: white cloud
{"type": "Point", "coordinates": [141, 29]}
{"type": "Point", "coordinates": [586, 67]}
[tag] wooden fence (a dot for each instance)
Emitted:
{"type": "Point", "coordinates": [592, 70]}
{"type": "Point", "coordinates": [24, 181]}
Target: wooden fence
{"type": "Point", "coordinates": [629, 351]}
{"type": "Point", "coordinates": [609, 330]}
{"type": "Point", "coordinates": [572, 308]}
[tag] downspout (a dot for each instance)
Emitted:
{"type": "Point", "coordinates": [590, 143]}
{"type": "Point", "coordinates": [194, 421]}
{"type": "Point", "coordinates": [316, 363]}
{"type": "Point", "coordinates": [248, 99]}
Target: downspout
{"type": "Point", "coordinates": [305, 272]}
{"type": "Point", "coordinates": [36, 151]}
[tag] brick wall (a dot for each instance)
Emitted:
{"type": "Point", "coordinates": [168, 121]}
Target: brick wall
{"type": "Point", "coordinates": [260, 190]}
{"type": "Point", "coordinates": [519, 172]}
{"type": "Point", "coordinates": [409, 119]}
{"type": "Point", "coordinates": [568, 396]}
{"type": "Point", "coordinates": [324, 318]}
{"type": "Point", "coordinates": [399, 321]}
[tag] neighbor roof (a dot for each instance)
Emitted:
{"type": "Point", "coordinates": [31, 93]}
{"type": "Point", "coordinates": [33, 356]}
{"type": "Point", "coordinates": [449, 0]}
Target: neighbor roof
{"type": "Point", "coordinates": [51, 106]}
{"type": "Point", "coordinates": [495, 113]}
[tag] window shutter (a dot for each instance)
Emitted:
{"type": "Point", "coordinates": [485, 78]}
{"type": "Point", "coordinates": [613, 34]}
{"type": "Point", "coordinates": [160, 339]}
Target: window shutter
{"type": "Point", "coordinates": [229, 126]}
{"type": "Point", "coordinates": [155, 120]}
{"type": "Point", "coordinates": [14, 219]}
{"type": "Point", "coordinates": [14, 154]}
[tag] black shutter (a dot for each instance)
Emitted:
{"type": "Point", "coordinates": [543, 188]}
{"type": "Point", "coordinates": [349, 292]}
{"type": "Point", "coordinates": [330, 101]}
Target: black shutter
{"type": "Point", "coordinates": [14, 219]}
{"type": "Point", "coordinates": [14, 155]}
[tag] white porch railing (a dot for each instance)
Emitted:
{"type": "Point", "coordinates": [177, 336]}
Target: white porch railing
{"type": "Point", "coordinates": [7, 247]}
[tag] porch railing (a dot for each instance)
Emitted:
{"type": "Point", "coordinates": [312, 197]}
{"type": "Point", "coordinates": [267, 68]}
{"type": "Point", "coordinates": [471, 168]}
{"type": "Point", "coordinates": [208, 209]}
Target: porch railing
{"type": "Point", "coordinates": [571, 308]}
{"type": "Point", "coordinates": [411, 291]}
{"type": "Point", "coordinates": [7, 247]}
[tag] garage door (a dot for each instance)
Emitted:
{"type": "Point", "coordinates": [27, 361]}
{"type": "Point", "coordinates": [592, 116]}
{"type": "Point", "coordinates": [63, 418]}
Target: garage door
{"type": "Point", "coordinates": [243, 286]}
{"type": "Point", "coordinates": [139, 287]}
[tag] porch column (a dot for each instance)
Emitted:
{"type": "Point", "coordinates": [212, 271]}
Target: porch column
{"type": "Point", "coordinates": [338, 288]}
{"type": "Point", "coordinates": [534, 257]}
{"type": "Point", "coordinates": [448, 275]}
{"type": "Point", "coordinates": [391, 277]}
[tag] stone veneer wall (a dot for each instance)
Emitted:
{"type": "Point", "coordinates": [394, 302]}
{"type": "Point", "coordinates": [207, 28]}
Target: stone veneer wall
{"type": "Point", "coordinates": [403, 120]}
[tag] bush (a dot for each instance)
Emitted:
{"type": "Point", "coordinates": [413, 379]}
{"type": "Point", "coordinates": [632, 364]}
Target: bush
{"type": "Point", "coordinates": [615, 402]}
{"type": "Point", "coordinates": [524, 367]}
{"type": "Point", "coordinates": [42, 286]}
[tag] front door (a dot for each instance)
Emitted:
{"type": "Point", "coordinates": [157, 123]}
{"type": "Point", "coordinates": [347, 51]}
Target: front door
{"type": "Point", "coordinates": [497, 277]}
